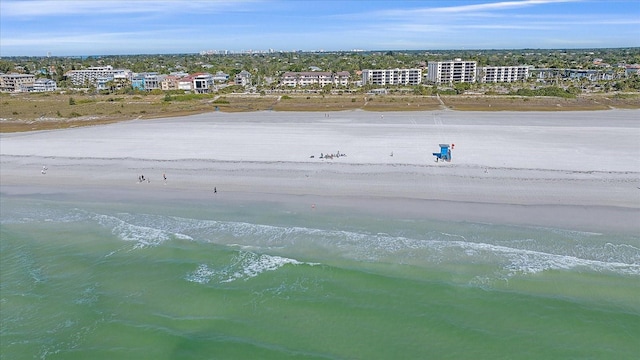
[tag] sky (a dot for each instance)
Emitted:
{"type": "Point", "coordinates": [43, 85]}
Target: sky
{"type": "Point", "coordinates": [119, 27]}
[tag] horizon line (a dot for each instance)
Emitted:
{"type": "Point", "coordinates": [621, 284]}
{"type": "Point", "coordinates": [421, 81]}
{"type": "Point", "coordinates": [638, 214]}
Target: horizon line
{"type": "Point", "coordinates": [272, 51]}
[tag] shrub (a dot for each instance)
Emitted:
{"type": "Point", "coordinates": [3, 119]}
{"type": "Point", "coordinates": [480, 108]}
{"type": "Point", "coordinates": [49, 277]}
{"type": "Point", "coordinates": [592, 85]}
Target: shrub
{"type": "Point", "coordinates": [189, 97]}
{"type": "Point", "coordinates": [221, 101]}
{"type": "Point", "coordinates": [545, 91]}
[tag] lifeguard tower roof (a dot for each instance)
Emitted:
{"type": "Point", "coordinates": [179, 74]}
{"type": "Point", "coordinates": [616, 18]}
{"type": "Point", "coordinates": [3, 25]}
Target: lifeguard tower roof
{"type": "Point", "coordinates": [444, 145]}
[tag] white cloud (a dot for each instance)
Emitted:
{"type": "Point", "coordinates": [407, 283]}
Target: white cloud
{"type": "Point", "coordinates": [33, 8]}
{"type": "Point", "coordinates": [487, 9]}
{"type": "Point", "coordinates": [496, 6]}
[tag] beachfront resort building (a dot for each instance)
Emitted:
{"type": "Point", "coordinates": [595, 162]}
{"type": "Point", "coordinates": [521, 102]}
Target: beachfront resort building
{"type": "Point", "coordinates": [551, 75]}
{"type": "Point", "coordinates": [90, 75]}
{"type": "Point", "coordinates": [498, 74]}
{"type": "Point", "coordinates": [452, 71]}
{"type": "Point", "coordinates": [16, 82]}
{"type": "Point", "coordinates": [306, 78]}
{"type": "Point", "coordinates": [391, 76]}
{"type": "Point", "coordinates": [321, 78]}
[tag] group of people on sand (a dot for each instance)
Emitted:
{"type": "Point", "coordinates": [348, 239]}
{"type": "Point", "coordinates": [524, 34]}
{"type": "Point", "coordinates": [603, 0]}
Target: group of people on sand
{"type": "Point", "coordinates": [142, 179]}
{"type": "Point", "coordinates": [331, 156]}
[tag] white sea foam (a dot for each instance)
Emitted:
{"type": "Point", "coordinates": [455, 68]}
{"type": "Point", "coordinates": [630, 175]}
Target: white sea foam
{"type": "Point", "coordinates": [512, 257]}
{"type": "Point", "coordinates": [143, 236]}
{"type": "Point", "coordinates": [442, 247]}
{"type": "Point", "coordinates": [202, 275]}
{"type": "Point", "coordinates": [243, 266]}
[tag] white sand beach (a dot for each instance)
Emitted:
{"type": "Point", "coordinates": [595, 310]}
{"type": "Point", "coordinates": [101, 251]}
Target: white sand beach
{"type": "Point", "coordinates": [576, 170]}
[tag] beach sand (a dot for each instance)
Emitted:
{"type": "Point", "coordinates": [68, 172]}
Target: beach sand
{"type": "Point", "coordinates": [574, 170]}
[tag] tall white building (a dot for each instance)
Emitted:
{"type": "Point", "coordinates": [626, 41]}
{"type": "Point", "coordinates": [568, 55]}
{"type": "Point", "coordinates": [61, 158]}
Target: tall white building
{"type": "Point", "coordinates": [496, 74]}
{"type": "Point", "coordinates": [452, 71]}
{"type": "Point", "coordinates": [391, 76]}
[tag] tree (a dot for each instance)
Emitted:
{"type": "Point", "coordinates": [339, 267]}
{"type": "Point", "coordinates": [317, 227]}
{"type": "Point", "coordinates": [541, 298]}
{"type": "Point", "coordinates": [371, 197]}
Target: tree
{"type": "Point", "coordinates": [462, 87]}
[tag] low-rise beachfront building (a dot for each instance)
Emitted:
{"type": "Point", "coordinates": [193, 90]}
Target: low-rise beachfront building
{"type": "Point", "coordinates": [630, 70]}
{"type": "Point", "coordinates": [243, 78]}
{"type": "Point", "coordinates": [391, 77]}
{"type": "Point", "coordinates": [185, 83]}
{"type": "Point", "coordinates": [591, 75]}
{"type": "Point", "coordinates": [169, 82]}
{"type": "Point", "coordinates": [306, 78]}
{"type": "Point", "coordinates": [146, 81]}
{"type": "Point", "coordinates": [555, 74]}
{"type": "Point", "coordinates": [452, 71]}
{"type": "Point", "coordinates": [320, 78]}
{"type": "Point", "coordinates": [499, 74]}
{"type": "Point", "coordinates": [16, 82]}
{"type": "Point", "coordinates": [44, 85]}
{"type": "Point", "coordinates": [341, 78]}
{"type": "Point", "coordinates": [104, 83]}
{"type": "Point", "coordinates": [113, 82]}
{"type": "Point", "coordinates": [547, 74]}
{"type": "Point", "coordinates": [220, 77]}
{"type": "Point", "coordinates": [90, 75]}
{"type": "Point", "coordinates": [202, 83]}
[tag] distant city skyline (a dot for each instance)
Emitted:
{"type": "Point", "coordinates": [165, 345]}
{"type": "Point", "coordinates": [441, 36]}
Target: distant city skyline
{"type": "Point", "coordinates": [118, 27]}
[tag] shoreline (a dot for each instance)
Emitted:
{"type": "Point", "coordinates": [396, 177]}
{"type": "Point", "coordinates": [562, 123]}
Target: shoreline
{"type": "Point", "coordinates": [533, 170]}
{"type": "Point", "coordinates": [586, 218]}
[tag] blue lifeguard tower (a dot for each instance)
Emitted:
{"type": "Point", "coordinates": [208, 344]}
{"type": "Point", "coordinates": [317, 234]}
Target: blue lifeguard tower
{"type": "Point", "coordinates": [444, 154]}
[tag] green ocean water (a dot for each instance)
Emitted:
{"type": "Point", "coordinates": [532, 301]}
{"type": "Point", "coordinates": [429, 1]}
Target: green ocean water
{"type": "Point", "coordinates": [96, 280]}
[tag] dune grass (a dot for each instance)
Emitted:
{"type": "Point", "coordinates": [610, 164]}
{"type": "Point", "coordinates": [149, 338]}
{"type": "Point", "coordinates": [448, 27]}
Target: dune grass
{"type": "Point", "coordinates": [27, 112]}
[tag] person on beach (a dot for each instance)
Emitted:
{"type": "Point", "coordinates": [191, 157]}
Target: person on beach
{"type": "Point", "coordinates": [164, 176]}
{"type": "Point", "coordinates": [215, 190]}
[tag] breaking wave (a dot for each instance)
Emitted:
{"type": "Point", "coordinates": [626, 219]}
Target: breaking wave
{"type": "Point", "coordinates": [244, 265]}
{"type": "Point", "coordinates": [527, 252]}
{"type": "Point", "coordinates": [513, 257]}
{"type": "Point", "coordinates": [143, 236]}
